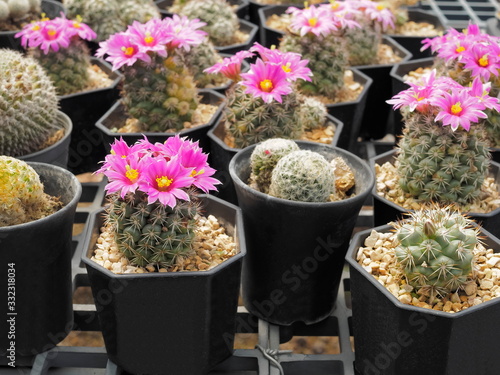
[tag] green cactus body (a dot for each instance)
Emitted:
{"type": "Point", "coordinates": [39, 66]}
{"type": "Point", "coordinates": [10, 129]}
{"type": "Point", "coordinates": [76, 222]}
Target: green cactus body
{"type": "Point", "coordinates": [28, 105]}
{"type": "Point", "coordinates": [435, 249]}
{"type": "Point", "coordinates": [264, 158]}
{"type": "Point", "coordinates": [162, 94]}
{"type": "Point", "coordinates": [22, 198]}
{"type": "Point", "coordinates": [327, 60]}
{"type": "Point", "coordinates": [19, 11]}
{"type": "Point", "coordinates": [312, 113]}
{"type": "Point", "coordinates": [493, 127]}
{"type": "Point", "coordinates": [438, 164]}
{"type": "Point", "coordinates": [303, 176]}
{"type": "Point", "coordinates": [201, 57]}
{"type": "Point", "coordinates": [68, 67]}
{"type": "Point", "coordinates": [137, 10]}
{"type": "Point", "coordinates": [362, 44]}
{"type": "Point", "coordinates": [249, 120]}
{"type": "Point", "coordinates": [222, 22]}
{"type": "Point", "coordinates": [152, 233]}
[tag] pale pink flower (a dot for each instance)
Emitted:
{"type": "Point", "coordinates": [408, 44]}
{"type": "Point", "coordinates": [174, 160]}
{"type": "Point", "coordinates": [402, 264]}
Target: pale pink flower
{"type": "Point", "coordinates": [149, 36]}
{"type": "Point", "coordinates": [183, 32]}
{"type": "Point", "coordinates": [480, 91]}
{"type": "Point", "coordinates": [122, 49]}
{"type": "Point", "coordinates": [292, 64]}
{"type": "Point", "coordinates": [230, 66]}
{"type": "Point", "coordinates": [315, 20]}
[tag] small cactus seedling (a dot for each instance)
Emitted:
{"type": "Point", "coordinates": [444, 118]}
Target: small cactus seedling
{"type": "Point", "coordinates": [22, 198]}
{"type": "Point", "coordinates": [152, 191]}
{"type": "Point", "coordinates": [436, 249]}
{"type": "Point", "coordinates": [59, 46]}
{"type": "Point", "coordinates": [16, 11]}
{"type": "Point", "coordinates": [28, 105]}
{"type": "Point", "coordinates": [158, 90]}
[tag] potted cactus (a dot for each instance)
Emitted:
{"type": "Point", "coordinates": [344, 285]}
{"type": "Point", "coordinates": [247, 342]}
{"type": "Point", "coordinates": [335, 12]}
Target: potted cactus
{"type": "Point", "coordinates": [32, 127]}
{"type": "Point", "coordinates": [170, 7]}
{"type": "Point", "coordinates": [443, 154]}
{"type": "Point", "coordinates": [420, 289]}
{"type": "Point", "coordinates": [37, 206]}
{"type": "Point", "coordinates": [300, 201]}
{"type": "Point", "coordinates": [175, 253]}
{"type": "Point", "coordinates": [159, 97]}
{"type": "Point", "coordinates": [273, 107]}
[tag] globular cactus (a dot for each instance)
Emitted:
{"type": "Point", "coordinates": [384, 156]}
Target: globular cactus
{"type": "Point", "coordinates": [304, 176]}
{"type": "Point", "coordinates": [221, 20]}
{"type": "Point", "coordinates": [22, 198]}
{"type": "Point", "coordinates": [312, 113]}
{"type": "Point", "coordinates": [137, 10]}
{"type": "Point", "coordinates": [363, 44]}
{"type": "Point", "coordinates": [18, 9]}
{"type": "Point", "coordinates": [152, 233]}
{"type": "Point", "coordinates": [28, 105]}
{"type": "Point", "coordinates": [264, 158]}
{"type": "Point", "coordinates": [436, 249]}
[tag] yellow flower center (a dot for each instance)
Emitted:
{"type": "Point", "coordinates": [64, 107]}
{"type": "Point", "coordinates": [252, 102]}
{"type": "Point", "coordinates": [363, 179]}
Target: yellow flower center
{"type": "Point", "coordinates": [149, 39]}
{"type": "Point", "coordinates": [483, 61]}
{"type": "Point", "coordinates": [35, 27]}
{"type": "Point", "coordinates": [76, 25]}
{"type": "Point", "coordinates": [52, 34]}
{"type": "Point", "coordinates": [266, 85]}
{"type": "Point", "coordinates": [128, 51]}
{"type": "Point", "coordinates": [460, 49]}
{"type": "Point", "coordinates": [286, 68]}
{"type": "Point", "coordinates": [164, 182]}
{"type": "Point", "coordinates": [380, 7]}
{"type": "Point", "coordinates": [194, 173]}
{"type": "Point", "coordinates": [131, 174]}
{"type": "Point", "coordinates": [313, 21]}
{"type": "Point", "coordinates": [456, 108]}
{"type": "Point", "coordinates": [334, 5]}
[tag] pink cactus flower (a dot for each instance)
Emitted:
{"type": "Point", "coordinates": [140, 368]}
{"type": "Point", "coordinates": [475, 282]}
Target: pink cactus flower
{"type": "Point", "coordinates": [480, 60]}
{"type": "Point", "coordinates": [121, 49]}
{"type": "Point", "coordinates": [292, 64]}
{"type": "Point", "coordinates": [480, 91]}
{"type": "Point", "coordinates": [315, 20]}
{"type": "Point", "coordinates": [183, 32]}
{"type": "Point", "coordinates": [81, 29]}
{"type": "Point", "coordinates": [150, 36]}
{"type": "Point", "coordinates": [230, 66]}
{"type": "Point", "coordinates": [124, 174]}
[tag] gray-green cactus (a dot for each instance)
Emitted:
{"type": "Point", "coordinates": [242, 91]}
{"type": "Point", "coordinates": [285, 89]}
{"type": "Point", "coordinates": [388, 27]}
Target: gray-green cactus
{"type": "Point", "coordinates": [436, 248]}
{"type": "Point", "coordinates": [28, 105]}
{"type": "Point", "coordinates": [304, 176]}
{"type": "Point", "coordinates": [18, 9]}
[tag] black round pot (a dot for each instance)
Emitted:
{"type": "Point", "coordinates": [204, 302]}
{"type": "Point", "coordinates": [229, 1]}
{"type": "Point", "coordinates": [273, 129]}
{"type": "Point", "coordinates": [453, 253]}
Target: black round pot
{"type": "Point", "coordinates": [385, 211]}
{"type": "Point", "coordinates": [241, 7]}
{"type": "Point", "coordinates": [116, 115]}
{"type": "Point", "coordinates": [393, 338]}
{"type": "Point", "coordinates": [414, 43]}
{"type": "Point", "coordinates": [56, 154]}
{"type": "Point", "coordinates": [296, 250]}
{"type": "Point", "coordinates": [86, 148]}
{"type": "Point", "coordinates": [36, 272]}
{"type": "Point", "coordinates": [172, 323]}
{"type": "Point", "coordinates": [221, 154]}
{"type": "Point", "coordinates": [50, 7]}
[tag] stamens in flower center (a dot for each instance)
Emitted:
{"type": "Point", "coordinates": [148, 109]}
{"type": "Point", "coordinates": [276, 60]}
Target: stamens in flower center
{"type": "Point", "coordinates": [164, 182]}
{"type": "Point", "coordinates": [128, 51]}
{"type": "Point", "coordinates": [312, 21]}
{"type": "Point", "coordinates": [286, 68]}
{"type": "Point", "coordinates": [52, 34]}
{"type": "Point", "coordinates": [131, 174]}
{"type": "Point", "coordinates": [194, 173]}
{"type": "Point", "coordinates": [483, 61]}
{"type": "Point", "coordinates": [148, 39]}
{"type": "Point", "coordinates": [460, 49]}
{"type": "Point", "coordinates": [266, 85]}
{"type": "Point", "coordinates": [456, 108]}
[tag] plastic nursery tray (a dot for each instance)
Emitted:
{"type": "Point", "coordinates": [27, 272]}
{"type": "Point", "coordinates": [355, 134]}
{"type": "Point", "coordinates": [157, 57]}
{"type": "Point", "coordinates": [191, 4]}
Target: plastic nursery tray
{"type": "Point", "coordinates": [458, 13]}
{"type": "Point", "coordinates": [71, 360]}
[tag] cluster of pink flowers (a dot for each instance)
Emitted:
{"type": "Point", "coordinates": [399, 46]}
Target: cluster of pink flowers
{"type": "Point", "coordinates": [54, 34]}
{"type": "Point", "coordinates": [163, 171]}
{"type": "Point", "coordinates": [271, 76]}
{"type": "Point", "coordinates": [139, 41]}
{"type": "Point", "coordinates": [447, 100]}
{"type": "Point", "coordinates": [474, 50]}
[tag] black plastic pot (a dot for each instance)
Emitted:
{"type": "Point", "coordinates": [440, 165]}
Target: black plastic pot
{"type": "Point", "coordinates": [374, 124]}
{"type": "Point", "coordinates": [49, 7]}
{"type": "Point", "coordinates": [174, 322]}
{"type": "Point", "coordinates": [241, 7]}
{"type": "Point", "coordinates": [393, 338]}
{"type": "Point", "coordinates": [36, 272]}
{"type": "Point", "coordinates": [385, 211]}
{"type": "Point", "coordinates": [247, 28]}
{"type": "Point", "coordinates": [221, 154]}
{"type": "Point", "coordinates": [295, 249]}
{"type": "Point", "coordinates": [270, 36]}
{"type": "Point", "coordinates": [414, 43]}
{"type": "Point", "coordinates": [56, 154]}
{"type": "Point", "coordinates": [116, 115]}
{"type": "Point", "coordinates": [84, 109]}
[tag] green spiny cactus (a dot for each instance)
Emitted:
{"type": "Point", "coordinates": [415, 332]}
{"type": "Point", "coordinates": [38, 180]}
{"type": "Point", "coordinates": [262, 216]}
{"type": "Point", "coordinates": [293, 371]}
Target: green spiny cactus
{"type": "Point", "coordinates": [493, 127]}
{"type": "Point", "coordinates": [312, 113]}
{"type": "Point", "coordinates": [362, 44]}
{"type": "Point", "coordinates": [435, 249]}
{"type": "Point", "coordinates": [438, 164]}
{"type": "Point", "coordinates": [28, 105]}
{"type": "Point", "coordinates": [327, 60]}
{"type": "Point", "coordinates": [22, 198]}
{"type": "Point", "coordinates": [264, 158]}
{"type": "Point", "coordinates": [137, 10]}
{"type": "Point", "coordinates": [152, 233]}
{"type": "Point", "coordinates": [304, 176]}
{"type": "Point", "coordinates": [222, 22]}
{"type": "Point", "coordinates": [68, 67]}
{"type": "Point", "coordinates": [169, 98]}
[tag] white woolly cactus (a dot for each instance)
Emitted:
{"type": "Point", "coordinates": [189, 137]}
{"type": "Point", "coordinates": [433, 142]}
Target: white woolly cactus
{"type": "Point", "coordinates": [16, 9]}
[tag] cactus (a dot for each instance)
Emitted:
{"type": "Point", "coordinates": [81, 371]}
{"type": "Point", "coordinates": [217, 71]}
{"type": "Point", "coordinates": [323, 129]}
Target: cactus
{"type": "Point", "coordinates": [18, 12]}
{"type": "Point", "coordinates": [22, 198]}
{"type": "Point", "coordinates": [303, 176]}
{"type": "Point", "coordinates": [435, 250]}
{"type": "Point", "coordinates": [363, 44]}
{"type": "Point", "coordinates": [221, 21]}
{"type": "Point", "coordinates": [264, 158]}
{"type": "Point", "coordinates": [28, 105]}
{"type": "Point", "coordinates": [312, 113]}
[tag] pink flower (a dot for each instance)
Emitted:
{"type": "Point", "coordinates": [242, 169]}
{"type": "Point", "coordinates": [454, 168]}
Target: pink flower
{"type": "Point", "coordinates": [164, 181]}
{"type": "Point", "coordinates": [418, 96]}
{"type": "Point", "coordinates": [315, 20]}
{"type": "Point", "coordinates": [230, 66]}
{"type": "Point", "coordinates": [267, 81]}
{"type": "Point", "coordinates": [481, 92]}
{"type": "Point", "coordinates": [183, 32]}
{"type": "Point", "coordinates": [292, 64]}
{"type": "Point", "coordinates": [480, 60]}
{"type": "Point", "coordinates": [149, 36]}
{"type": "Point", "coordinates": [458, 108]}
{"type": "Point", "coordinates": [381, 15]}
{"type": "Point", "coordinates": [81, 29]}
{"type": "Point", "coordinates": [124, 174]}
{"type": "Point", "coordinates": [121, 50]}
